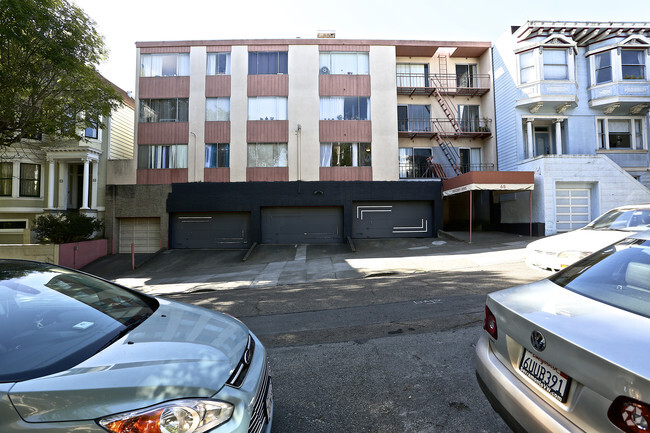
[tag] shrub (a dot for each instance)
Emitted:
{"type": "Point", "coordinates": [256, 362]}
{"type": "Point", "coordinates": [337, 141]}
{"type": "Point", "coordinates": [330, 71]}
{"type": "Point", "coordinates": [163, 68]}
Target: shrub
{"type": "Point", "coordinates": [62, 229]}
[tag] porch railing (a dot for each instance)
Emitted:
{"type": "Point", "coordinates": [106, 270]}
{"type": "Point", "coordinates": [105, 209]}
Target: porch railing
{"type": "Point", "coordinates": [444, 82]}
{"type": "Point", "coordinates": [443, 125]}
{"type": "Point", "coordinates": [421, 170]}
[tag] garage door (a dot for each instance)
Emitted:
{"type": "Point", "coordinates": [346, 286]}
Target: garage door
{"type": "Point", "coordinates": [407, 219]}
{"type": "Point", "coordinates": [572, 208]}
{"type": "Point", "coordinates": [302, 225]}
{"type": "Point", "coordinates": [143, 233]}
{"type": "Point", "coordinates": [211, 230]}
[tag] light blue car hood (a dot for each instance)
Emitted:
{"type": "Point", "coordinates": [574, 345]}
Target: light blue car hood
{"type": "Point", "coordinates": [180, 351]}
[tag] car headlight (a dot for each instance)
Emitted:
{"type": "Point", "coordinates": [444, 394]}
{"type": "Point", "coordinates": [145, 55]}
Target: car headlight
{"type": "Point", "coordinates": [572, 255]}
{"type": "Point", "coordinates": [179, 416]}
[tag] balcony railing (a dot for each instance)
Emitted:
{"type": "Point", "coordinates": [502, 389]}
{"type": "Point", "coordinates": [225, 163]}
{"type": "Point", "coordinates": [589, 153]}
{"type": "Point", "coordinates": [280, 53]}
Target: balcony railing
{"type": "Point", "coordinates": [445, 171]}
{"type": "Point", "coordinates": [450, 84]}
{"type": "Point", "coordinates": [425, 127]}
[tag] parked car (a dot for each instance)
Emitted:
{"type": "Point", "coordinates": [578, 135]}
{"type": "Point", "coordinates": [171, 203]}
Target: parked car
{"type": "Point", "coordinates": [81, 354]}
{"type": "Point", "coordinates": [559, 251]}
{"type": "Point", "coordinates": [570, 353]}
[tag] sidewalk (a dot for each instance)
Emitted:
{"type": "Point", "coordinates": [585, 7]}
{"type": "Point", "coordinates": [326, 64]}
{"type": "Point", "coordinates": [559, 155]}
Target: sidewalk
{"type": "Point", "coordinates": [185, 271]}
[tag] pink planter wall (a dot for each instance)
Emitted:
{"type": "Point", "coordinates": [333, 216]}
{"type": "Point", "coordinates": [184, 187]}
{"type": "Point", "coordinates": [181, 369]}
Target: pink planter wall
{"type": "Point", "coordinates": [79, 254]}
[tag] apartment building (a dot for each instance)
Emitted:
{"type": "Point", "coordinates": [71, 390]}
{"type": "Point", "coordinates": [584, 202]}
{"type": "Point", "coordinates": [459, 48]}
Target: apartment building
{"type": "Point", "coordinates": [299, 140]}
{"type": "Point", "coordinates": [52, 175]}
{"type": "Point", "coordinates": [572, 104]}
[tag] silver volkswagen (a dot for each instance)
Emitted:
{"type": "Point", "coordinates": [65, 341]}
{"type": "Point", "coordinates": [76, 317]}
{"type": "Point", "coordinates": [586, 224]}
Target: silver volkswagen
{"type": "Point", "coordinates": [571, 353]}
{"type": "Point", "coordinates": [79, 354]}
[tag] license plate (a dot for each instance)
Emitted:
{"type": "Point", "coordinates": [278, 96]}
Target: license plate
{"type": "Point", "coordinates": [549, 378]}
{"type": "Point", "coordinates": [268, 403]}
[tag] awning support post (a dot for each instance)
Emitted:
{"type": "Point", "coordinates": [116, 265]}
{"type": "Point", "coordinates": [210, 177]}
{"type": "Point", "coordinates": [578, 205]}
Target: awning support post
{"type": "Point", "coordinates": [470, 216]}
{"type": "Point", "coordinates": [530, 199]}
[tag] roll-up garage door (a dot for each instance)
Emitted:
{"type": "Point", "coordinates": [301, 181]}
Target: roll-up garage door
{"type": "Point", "coordinates": [302, 225]}
{"type": "Point", "coordinates": [211, 230]}
{"type": "Point", "coordinates": [393, 219]}
{"type": "Point", "coordinates": [143, 233]}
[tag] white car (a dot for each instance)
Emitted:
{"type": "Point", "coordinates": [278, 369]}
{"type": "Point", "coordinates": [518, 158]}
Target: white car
{"type": "Point", "coordinates": [559, 251]}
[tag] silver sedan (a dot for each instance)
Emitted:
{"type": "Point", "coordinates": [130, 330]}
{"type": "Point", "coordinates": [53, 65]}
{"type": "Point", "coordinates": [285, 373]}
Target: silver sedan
{"type": "Point", "coordinates": [79, 354]}
{"type": "Point", "coordinates": [571, 353]}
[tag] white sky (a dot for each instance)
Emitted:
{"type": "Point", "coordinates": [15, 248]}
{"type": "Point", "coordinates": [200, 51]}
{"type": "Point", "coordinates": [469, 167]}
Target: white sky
{"type": "Point", "coordinates": [123, 22]}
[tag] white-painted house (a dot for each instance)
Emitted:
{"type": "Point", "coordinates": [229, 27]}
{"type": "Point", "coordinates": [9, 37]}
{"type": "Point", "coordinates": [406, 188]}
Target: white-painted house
{"type": "Point", "coordinates": [572, 104]}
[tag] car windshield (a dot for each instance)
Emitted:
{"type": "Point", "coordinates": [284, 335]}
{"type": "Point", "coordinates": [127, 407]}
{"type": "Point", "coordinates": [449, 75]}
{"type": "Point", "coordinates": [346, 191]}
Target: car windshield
{"type": "Point", "coordinates": [52, 318]}
{"type": "Point", "coordinates": [632, 220]}
{"type": "Point", "coordinates": [618, 275]}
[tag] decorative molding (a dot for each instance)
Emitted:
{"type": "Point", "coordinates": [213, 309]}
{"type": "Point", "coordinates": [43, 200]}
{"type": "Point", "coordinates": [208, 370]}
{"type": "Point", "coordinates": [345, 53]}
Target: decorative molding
{"type": "Point", "coordinates": [535, 108]}
{"type": "Point", "coordinates": [637, 109]}
{"type": "Point", "coordinates": [610, 108]}
{"type": "Point", "coordinates": [560, 109]}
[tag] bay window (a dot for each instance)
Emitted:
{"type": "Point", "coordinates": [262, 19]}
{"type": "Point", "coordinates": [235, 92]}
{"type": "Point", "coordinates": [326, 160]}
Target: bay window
{"type": "Point", "coordinates": [527, 67]}
{"type": "Point", "coordinates": [267, 154]}
{"type": "Point", "coordinates": [267, 108]}
{"type": "Point", "coordinates": [267, 63]}
{"type": "Point", "coordinates": [217, 109]}
{"type": "Point", "coordinates": [165, 65]}
{"type": "Point", "coordinates": [348, 63]}
{"type": "Point", "coordinates": [30, 180]}
{"type": "Point", "coordinates": [555, 64]}
{"type": "Point", "coordinates": [162, 156]}
{"type": "Point", "coordinates": [218, 64]}
{"type": "Point", "coordinates": [164, 110]}
{"type": "Point", "coordinates": [217, 155]}
{"type": "Point", "coordinates": [603, 67]}
{"type": "Point", "coordinates": [633, 64]}
{"type": "Point", "coordinates": [345, 108]}
{"type": "Point", "coordinates": [345, 155]}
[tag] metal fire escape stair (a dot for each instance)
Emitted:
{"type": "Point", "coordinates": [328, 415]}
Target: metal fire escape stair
{"type": "Point", "coordinates": [447, 148]}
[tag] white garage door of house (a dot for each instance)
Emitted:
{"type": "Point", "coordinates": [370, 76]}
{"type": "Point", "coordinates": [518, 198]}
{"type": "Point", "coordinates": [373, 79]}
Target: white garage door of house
{"type": "Point", "coordinates": [572, 208]}
{"type": "Point", "coordinates": [144, 233]}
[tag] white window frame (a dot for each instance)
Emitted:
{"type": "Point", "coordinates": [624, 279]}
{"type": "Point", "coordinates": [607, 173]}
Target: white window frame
{"type": "Point", "coordinates": [328, 64]}
{"type": "Point", "coordinates": [532, 67]}
{"type": "Point", "coordinates": [212, 63]}
{"type": "Point", "coordinates": [603, 136]}
{"type": "Point", "coordinates": [566, 64]}
{"type": "Point", "coordinates": [151, 65]}
{"type": "Point", "coordinates": [268, 108]}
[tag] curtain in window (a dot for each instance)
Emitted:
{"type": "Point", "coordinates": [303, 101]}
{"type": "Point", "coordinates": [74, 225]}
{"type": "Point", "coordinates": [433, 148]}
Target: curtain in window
{"type": "Point", "coordinates": [178, 156]}
{"type": "Point", "coordinates": [344, 63]}
{"type": "Point", "coordinates": [619, 133]}
{"type": "Point", "coordinates": [217, 155]}
{"type": "Point", "coordinates": [633, 62]}
{"type": "Point", "coordinates": [326, 154]}
{"type": "Point", "coordinates": [218, 64]}
{"type": "Point", "coordinates": [469, 117]}
{"type": "Point", "coordinates": [6, 175]}
{"type": "Point", "coordinates": [638, 141]}
{"type": "Point", "coordinates": [267, 108]}
{"type": "Point", "coordinates": [603, 66]}
{"type": "Point", "coordinates": [183, 68]}
{"type": "Point", "coordinates": [332, 108]}
{"type": "Point", "coordinates": [30, 180]}
{"type": "Point", "coordinates": [217, 109]}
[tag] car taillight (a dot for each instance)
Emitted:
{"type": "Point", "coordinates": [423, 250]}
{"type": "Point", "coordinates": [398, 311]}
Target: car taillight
{"type": "Point", "coordinates": [490, 323]}
{"type": "Point", "coordinates": [630, 415]}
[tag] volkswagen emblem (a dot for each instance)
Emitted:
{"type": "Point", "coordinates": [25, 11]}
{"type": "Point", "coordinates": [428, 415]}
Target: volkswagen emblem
{"type": "Point", "coordinates": [538, 341]}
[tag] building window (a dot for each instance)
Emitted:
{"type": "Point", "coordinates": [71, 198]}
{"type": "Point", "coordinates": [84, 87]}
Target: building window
{"type": "Point", "coordinates": [414, 118]}
{"type": "Point", "coordinates": [92, 130]}
{"type": "Point", "coordinates": [412, 75]}
{"type": "Point", "coordinates": [555, 64]}
{"type": "Point", "coordinates": [603, 66]}
{"type": "Point", "coordinates": [527, 67]}
{"type": "Point", "coordinates": [267, 154]}
{"type": "Point", "coordinates": [164, 65]}
{"type": "Point", "coordinates": [163, 110]}
{"type": "Point", "coordinates": [217, 155]}
{"type": "Point", "coordinates": [6, 178]}
{"type": "Point", "coordinates": [267, 108]}
{"type": "Point", "coordinates": [345, 155]}
{"type": "Point", "coordinates": [218, 64]}
{"type": "Point", "coordinates": [470, 159]}
{"type": "Point", "coordinates": [625, 133]}
{"type": "Point", "coordinates": [344, 63]}
{"type": "Point", "coordinates": [268, 63]}
{"type": "Point", "coordinates": [345, 108]}
{"type": "Point", "coordinates": [413, 162]}
{"type": "Point", "coordinates": [217, 109]}
{"type": "Point", "coordinates": [162, 156]}
{"type": "Point", "coordinates": [30, 180]}
{"type": "Point", "coordinates": [633, 64]}
{"type": "Point", "coordinates": [466, 76]}
{"type": "Point", "coordinates": [469, 118]}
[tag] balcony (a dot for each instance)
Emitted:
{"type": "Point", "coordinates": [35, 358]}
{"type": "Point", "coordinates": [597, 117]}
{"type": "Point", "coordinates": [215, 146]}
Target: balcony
{"type": "Point", "coordinates": [447, 84]}
{"type": "Point", "coordinates": [415, 170]}
{"type": "Point", "coordinates": [429, 128]}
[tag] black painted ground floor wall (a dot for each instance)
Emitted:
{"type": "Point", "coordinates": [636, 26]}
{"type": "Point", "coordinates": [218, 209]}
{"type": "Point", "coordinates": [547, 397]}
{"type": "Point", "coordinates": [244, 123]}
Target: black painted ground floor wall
{"type": "Point", "coordinates": [234, 215]}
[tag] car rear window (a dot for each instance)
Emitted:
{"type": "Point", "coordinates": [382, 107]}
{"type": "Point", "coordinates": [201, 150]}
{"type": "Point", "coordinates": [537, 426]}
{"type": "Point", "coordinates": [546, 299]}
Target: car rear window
{"type": "Point", "coordinates": [54, 318]}
{"type": "Point", "coordinates": [618, 275]}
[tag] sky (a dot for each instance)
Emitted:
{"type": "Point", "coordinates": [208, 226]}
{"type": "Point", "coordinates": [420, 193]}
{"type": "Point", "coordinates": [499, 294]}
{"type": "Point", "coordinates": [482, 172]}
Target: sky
{"type": "Point", "coordinates": [125, 22]}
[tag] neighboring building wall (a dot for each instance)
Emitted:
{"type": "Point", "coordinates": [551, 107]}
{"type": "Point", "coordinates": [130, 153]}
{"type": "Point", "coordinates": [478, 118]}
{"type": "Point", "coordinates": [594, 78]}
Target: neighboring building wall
{"type": "Point", "coordinates": [383, 103]}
